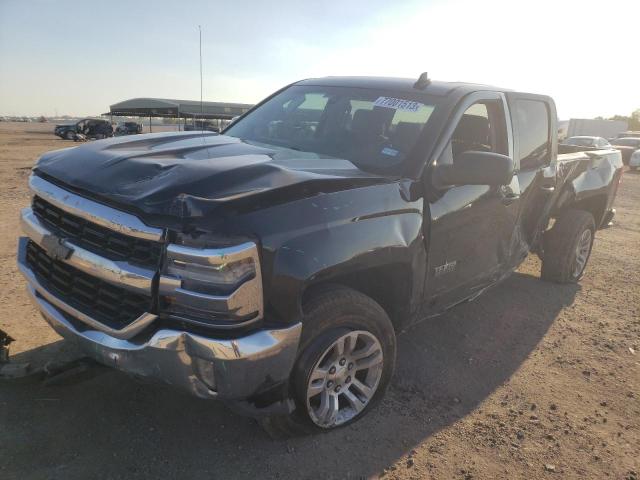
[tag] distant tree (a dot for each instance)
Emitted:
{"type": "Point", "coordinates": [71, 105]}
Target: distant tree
{"type": "Point", "coordinates": [619, 117]}
{"type": "Point", "coordinates": [634, 121]}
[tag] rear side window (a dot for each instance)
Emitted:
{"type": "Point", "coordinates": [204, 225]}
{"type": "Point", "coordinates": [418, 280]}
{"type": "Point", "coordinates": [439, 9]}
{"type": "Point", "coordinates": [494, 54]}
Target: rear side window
{"type": "Point", "coordinates": [531, 119]}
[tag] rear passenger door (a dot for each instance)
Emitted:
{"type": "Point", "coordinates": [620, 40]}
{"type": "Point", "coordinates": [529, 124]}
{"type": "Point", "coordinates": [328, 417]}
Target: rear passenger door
{"type": "Point", "coordinates": [533, 120]}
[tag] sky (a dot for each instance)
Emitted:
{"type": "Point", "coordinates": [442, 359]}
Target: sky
{"type": "Point", "coordinates": [77, 58]}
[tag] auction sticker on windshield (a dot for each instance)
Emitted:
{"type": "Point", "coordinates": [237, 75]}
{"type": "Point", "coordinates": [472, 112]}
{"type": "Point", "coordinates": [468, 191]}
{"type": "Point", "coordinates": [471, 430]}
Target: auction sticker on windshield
{"type": "Point", "coordinates": [397, 104]}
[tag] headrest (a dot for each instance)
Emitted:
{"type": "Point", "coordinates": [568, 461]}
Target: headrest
{"type": "Point", "coordinates": [406, 133]}
{"type": "Point", "coordinates": [362, 121]}
{"type": "Point", "coordinates": [472, 129]}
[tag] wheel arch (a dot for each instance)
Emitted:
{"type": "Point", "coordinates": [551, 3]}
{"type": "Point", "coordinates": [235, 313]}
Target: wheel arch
{"type": "Point", "coordinates": [595, 204]}
{"type": "Point", "coordinates": [390, 286]}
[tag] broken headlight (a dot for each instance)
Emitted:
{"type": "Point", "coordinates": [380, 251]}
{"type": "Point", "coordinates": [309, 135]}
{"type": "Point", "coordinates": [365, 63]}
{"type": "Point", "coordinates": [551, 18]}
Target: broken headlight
{"type": "Point", "coordinates": [212, 286]}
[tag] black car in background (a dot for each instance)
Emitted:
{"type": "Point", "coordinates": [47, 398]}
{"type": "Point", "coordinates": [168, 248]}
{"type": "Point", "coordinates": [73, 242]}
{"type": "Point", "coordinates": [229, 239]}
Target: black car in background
{"type": "Point", "coordinates": [629, 134]}
{"type": "Point", "coordinates": [88, 127]}
{"type": "Point", "coordinates": [129, 128]}
{"type": "Point", "coordinates": [626, 146]}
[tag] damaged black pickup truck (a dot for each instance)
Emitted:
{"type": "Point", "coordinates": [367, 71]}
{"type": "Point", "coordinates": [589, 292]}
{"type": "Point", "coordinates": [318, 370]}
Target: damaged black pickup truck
{"type": "Point", "coordinates": [272, 266]}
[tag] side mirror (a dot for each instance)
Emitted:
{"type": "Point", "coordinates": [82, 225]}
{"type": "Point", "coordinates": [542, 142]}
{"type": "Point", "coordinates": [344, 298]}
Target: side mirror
{"type": "Point", "coordinates": [476, 168]}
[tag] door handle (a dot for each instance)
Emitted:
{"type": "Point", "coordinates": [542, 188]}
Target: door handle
{"type": "Point", "coordinates": [509, 198]}
{"type": "Point", "coordinates": [548, 189]}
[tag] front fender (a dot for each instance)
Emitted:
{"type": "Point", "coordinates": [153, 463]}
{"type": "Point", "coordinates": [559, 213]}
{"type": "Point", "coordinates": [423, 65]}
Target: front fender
{"type": "Point", "coordinates": [338, 234]}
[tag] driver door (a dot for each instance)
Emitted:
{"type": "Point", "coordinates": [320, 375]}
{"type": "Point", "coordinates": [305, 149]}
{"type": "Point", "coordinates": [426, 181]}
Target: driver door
{"type": "Point", "coordinates": [471, 227]}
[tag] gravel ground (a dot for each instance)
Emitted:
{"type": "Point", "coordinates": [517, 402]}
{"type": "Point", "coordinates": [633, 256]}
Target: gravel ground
{"type": "Point", "coordinates": [532, 380]}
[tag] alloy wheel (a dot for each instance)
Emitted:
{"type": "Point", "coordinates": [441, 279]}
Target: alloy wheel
{"type": "Point", "coordinates": [344, 379]}
{"type": "Point", "coordinates": [583, 249]}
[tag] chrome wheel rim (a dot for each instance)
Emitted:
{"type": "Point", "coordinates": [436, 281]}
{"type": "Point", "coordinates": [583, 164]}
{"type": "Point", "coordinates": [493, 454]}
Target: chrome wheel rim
{"type": "Point", "coordinates": [582, 253]}
{"type": "Point", "coordinates": [344, 379]}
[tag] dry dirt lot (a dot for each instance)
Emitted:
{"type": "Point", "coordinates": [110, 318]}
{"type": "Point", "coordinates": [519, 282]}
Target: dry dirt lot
{"type": "Point", "coordinates": [532, 380]}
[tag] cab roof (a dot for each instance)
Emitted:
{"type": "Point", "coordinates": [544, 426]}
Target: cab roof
{"type": "Point", "coordinates": [437, 88]}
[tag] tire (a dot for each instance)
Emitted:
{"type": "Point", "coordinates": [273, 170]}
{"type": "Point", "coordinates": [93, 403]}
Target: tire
{"type": "Point", "coordinates": [69, 135]}
{"type": "Point", "coordinates": [567, 247]}
{"type": "Point", "coordinates": [344, 316]}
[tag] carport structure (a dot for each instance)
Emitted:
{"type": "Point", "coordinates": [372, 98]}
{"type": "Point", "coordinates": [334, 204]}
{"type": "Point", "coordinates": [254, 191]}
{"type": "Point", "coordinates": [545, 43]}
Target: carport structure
{"type": "Point", "coordinates": [180, 109]}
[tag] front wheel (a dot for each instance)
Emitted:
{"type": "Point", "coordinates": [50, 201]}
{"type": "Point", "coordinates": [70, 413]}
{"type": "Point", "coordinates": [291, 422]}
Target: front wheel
{"type": "Point", "coordinates": [70, 135]}
{"type": "Point", "coordinates": [346, 360]}
{"type": "Point", "coordinates": [567, 247]}
{"type": "Point", "coordinates": [344, 379]}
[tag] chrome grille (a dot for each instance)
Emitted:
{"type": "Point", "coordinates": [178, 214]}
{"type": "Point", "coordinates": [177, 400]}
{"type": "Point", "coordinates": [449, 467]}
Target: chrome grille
{"type": "Point", "coordinates": [96, 238]}
{"type": "Point", "coordinates": [113, 306]}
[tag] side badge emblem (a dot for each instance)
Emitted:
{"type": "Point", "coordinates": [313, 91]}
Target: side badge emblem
{"type": "Point", "coordinates": [446, 268]}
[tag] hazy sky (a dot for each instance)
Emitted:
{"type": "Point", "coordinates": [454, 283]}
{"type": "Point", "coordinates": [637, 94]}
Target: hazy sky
{"type": "Point", "coordinates": [78, 57]}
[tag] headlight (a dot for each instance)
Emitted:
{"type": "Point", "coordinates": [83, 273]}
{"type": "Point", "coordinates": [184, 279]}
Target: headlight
{"type": "Point", "coordinates": [219, 287]}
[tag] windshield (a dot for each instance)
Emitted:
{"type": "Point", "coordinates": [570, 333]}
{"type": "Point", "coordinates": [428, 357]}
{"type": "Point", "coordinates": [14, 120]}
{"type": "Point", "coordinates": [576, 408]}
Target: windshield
{"type": "Point", "coordinates": [627, 142]}
{"type": "Point", "coordinates": [580, 141]}
{"type": "Point", "coordinates": [373, 129]}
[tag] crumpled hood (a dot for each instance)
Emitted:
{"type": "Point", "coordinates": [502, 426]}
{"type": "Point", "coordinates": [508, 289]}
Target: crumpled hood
{"type": "Point", "coordinates": [194, 174]}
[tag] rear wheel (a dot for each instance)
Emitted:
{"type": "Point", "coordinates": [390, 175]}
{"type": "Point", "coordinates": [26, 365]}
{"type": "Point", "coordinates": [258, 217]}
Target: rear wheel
{"type": "Point", "coordinates": [567, 247]}
{"type": "Point", "coordinates": [346, 360]}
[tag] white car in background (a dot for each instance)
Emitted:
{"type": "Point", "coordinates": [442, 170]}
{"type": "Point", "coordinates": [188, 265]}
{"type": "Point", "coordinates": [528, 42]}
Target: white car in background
{"type": "Point", "coordinates": [634, 161]}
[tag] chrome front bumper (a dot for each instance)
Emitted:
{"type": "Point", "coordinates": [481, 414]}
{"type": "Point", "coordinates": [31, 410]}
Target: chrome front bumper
{"type": "Point", "coordinates": [232, 369]}
{"type": "Point", "coordinates": [226, 368]}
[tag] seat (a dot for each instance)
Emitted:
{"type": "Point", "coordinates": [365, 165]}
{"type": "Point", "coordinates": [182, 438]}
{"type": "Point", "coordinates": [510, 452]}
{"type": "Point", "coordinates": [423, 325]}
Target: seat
{"type": "Point", "coordinates": [361, 123]}
{"type": "Point", "coordinates": [405, 135]}
{"type": "Point", "coordinates": [472, 133]}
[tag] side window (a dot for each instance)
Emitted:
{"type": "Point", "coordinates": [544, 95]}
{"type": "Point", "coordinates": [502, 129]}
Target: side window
{"type": "Point", "coordinates": [481, 128]}
{"type": "Point", "coordinates": [531, 122]}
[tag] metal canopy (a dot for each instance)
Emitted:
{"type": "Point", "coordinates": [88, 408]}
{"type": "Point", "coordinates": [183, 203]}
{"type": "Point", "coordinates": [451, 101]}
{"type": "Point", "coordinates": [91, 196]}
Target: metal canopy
{"type": "Point", "coordinates": [162, 107]}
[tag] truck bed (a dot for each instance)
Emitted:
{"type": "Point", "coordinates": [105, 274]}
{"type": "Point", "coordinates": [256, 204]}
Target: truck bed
{"type": "Point", "coordinates": [589, 177]}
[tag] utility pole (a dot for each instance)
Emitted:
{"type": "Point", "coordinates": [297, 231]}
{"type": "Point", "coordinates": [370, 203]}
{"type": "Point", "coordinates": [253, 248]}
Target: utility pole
{"type": "Point", "coordinates": [201, 107]}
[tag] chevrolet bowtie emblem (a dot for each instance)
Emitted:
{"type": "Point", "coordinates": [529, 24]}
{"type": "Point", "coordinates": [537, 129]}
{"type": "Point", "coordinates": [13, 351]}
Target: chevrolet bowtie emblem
{"type": "Point", "coordinates": [56, 248]}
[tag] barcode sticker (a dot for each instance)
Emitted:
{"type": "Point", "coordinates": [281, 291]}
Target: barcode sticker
{"type": "Point", "coordinates": [397, 104]}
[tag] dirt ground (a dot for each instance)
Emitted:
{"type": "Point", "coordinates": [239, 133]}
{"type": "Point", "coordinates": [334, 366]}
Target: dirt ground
{"type": "Point", "coordinates": [532, 380]}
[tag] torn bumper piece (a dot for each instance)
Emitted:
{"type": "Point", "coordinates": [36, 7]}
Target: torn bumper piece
{"type": "Point", "coordinates": [205, 367]}
{"type": "Point", "coordinates": [228, 369]}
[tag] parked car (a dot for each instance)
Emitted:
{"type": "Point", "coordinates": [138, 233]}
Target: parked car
{"type": "Point", "coordinates": [582, 144]}
{"type": "Point", "coordinates": [627, 146]}
{"type": "Point", "coordinates": [272, 267]}
{"type": "Point", "coordinates": [629, 134]}
{"type": "Point", "coordinates": [87, 127]}
{"type": "Point", "coordinates": [201, 125]}
{"type": "Point", "coordinates": [129, 128]}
